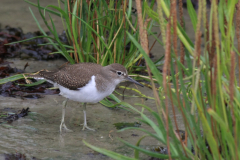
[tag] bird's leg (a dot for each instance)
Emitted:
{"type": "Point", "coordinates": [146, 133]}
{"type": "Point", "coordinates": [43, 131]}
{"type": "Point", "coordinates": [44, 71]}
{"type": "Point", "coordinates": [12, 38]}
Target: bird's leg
{"type": "Point", "coordinates": [85, 118]}
{"type": "Point", "coordinates": [63, 115]}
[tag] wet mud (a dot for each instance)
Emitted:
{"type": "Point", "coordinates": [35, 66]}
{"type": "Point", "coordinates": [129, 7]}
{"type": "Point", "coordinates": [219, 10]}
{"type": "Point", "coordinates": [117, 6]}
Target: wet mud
{"type": "Point", "coordinates": [9, 117]}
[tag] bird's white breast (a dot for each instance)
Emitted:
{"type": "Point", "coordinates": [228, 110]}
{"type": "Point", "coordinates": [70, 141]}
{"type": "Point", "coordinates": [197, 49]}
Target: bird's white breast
{"type": "Point", "coordinates": [86, 94]}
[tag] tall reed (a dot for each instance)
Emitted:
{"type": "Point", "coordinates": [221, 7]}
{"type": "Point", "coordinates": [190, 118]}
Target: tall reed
{"type": "Point", "coordinates": [202, 85]}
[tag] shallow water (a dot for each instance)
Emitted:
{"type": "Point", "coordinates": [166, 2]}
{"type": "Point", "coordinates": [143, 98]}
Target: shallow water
{"type": "Point", "coordinates": [37, 135]}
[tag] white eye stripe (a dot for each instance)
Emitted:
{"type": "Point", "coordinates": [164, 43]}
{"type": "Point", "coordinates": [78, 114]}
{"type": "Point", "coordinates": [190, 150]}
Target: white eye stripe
{"type": "Point", "coordinates": [121, 73]}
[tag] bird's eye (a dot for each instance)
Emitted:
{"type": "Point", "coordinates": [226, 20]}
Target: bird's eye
{"type": "Point", "coordinates": [119, 73]}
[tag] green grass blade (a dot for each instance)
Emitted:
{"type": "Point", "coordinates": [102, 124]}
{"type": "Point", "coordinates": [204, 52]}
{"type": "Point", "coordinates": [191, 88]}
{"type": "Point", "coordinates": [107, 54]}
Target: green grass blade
{"type": "Point", "coordinates": [90, 28]}
{"type": "Point", "coordinates": [55, 46]}
{"type": "Point", "coordinates": [25, 40]}
{"type": "Point", "coordinates": [152, 66]}
{"type": "Point", "coordinates": [147, 152]}
{"type": "Point", "coordinates": [48, 10]}
{"type": "Point", "coordinates": [136, 152]}
{"type": "Point", "coordinates": [108, 153]}
{"type": "Point", "coordinates": [33, 84]}
{"type": "Point", "coordinates": [228, 136]}
{"type": "Point", "coordinates": [12, 78]}
{"type": "Point", "coordinates": [192, 13]}
{"type": "Point", "coordinates": [207, 129]}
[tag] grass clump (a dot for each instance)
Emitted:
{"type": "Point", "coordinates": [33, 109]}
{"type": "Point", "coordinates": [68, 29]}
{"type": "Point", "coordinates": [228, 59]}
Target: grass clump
{"type": "Point", "coordinates": [200, 81]}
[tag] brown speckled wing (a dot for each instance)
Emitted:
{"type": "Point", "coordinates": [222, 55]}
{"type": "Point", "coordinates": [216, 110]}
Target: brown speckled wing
{"type": "Point", "coordinates": [75, 76]}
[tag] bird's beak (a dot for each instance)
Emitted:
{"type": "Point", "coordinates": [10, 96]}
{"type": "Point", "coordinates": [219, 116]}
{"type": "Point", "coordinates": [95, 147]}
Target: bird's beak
{"type": "Point", "coordinates": [132, 80]}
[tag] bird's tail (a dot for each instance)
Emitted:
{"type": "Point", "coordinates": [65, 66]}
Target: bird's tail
{"type": "Point", "coordinates": [43, 74]}
{"type": "Point", "coordinates": [36, 76]}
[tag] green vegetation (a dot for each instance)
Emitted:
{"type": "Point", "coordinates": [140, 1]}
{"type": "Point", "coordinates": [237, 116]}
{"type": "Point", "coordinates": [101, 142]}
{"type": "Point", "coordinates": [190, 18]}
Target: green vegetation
{"type": "Point", "coordinates": [204, 89]}
{"type": "Point", "coordinates": [201, 82]}
{"type": "Point", "coordinates": [96, 31]}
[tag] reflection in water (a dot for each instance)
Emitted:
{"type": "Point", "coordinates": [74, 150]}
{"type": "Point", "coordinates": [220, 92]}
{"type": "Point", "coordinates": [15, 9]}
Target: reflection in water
{"type": "Point", "coordinates": [61, 141]}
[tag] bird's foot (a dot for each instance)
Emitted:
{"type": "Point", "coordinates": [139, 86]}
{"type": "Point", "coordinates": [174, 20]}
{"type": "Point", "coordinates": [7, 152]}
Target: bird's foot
{"type": "Point", "coordinates": [85, 126]}
{"type": "Point", "coordinates": [63, 126]}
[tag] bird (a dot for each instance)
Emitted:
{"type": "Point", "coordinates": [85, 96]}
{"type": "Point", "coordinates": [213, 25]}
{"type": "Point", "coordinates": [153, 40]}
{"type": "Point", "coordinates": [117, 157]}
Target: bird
{"type": "Point", "coordinates": [85, 83]}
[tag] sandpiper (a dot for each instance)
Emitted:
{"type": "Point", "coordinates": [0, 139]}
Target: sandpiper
{"type": "Point", "coordinates": [86, 83]}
